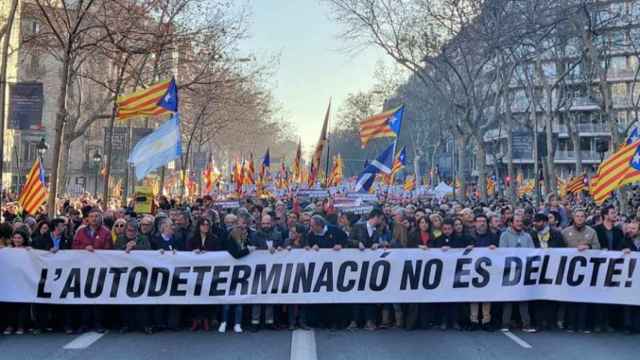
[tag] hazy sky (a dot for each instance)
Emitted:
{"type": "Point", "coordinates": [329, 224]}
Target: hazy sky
{"type": "Point", "coordinates": [313, 65]}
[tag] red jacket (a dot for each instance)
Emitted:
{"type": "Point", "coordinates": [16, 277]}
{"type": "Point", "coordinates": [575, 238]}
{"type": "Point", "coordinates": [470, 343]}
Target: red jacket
{"type": "Point", "coordinates": [100, 240]}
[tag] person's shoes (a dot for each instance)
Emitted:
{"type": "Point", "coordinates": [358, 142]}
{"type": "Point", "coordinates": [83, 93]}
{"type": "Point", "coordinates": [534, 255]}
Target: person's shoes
{"type": "Point", "coordinates": [272, 327]}
{"type": "Point", "coordinates": [222, 328]}
{"type": "Point", "coordinates": [628, 332]}
{"type": "Point", "coordinates": [352, 326]}
{"type": "Point", "coordinates": [100, 330]}
{"type": "Point", "coordinates": [597, 329]}
{"type": "Point", "coordinates": [68, 331]}
{"type": "Point", "coordinates": [124, 330]}
{"type": "Point", "coordinates": [237, 329]}
{"type": "Point", "coordinates": [586, 331]}
{"type": "Point", "coordinates": [205, 325]}
{"type": "Point", "coordinates": [8, 331]}
{"type": "Point", "coordinates": [443, 327]}
{"type": "Point", "coordinates": [36, 332]}
{"type": "Point", "coordinates": [609, 329]}
{"type": "Point", "coordinates": [505, 329]}
{"type": "Point", "coordinates": [292, 327]}
{"type": "Point", "coordinates": [253, 328]}
{"type": "Point", "coordinates": [487, 327]}
{"type": "Point", "coordinates": [560, 325]}
{"type": "Point", "coordinates": [529, 329]}
{"type": "Point", "coordinates": [333, 328]}
{"type": "Point", "coordinates": [20, 331]}
{"type": "Point", "coordinates": [370, 326]}
{"type": "Point", "coordinates": [148, 330]}
{"type": "Point", "coordinates": [456, 326]}
{"type": "Point", "coordinates": [194, 325]}
{"type": "Point", "coordinates": [304, 326]}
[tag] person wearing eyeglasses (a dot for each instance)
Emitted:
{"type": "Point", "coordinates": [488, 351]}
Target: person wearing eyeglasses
{"type": "Point", "coordinates": [134, 315]}
{"type": "Point", "coordinates": [118, 229]}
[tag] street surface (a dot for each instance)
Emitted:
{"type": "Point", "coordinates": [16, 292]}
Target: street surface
{"type": "Point", "coordinates": [323, 345]}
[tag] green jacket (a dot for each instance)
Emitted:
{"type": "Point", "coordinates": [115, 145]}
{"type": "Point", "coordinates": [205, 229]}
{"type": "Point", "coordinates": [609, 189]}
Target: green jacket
{"type": "Point", "coordinates": [142, 243]}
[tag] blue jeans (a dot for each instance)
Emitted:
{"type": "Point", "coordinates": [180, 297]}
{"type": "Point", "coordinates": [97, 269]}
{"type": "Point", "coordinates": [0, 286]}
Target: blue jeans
{"type": "Point", "coordinates": [237, 309]}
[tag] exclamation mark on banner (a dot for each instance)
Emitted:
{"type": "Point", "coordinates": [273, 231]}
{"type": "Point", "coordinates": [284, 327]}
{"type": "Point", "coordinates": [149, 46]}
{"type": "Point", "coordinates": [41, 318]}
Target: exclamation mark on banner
{"type": "Point", "coordinates": [632, 268]}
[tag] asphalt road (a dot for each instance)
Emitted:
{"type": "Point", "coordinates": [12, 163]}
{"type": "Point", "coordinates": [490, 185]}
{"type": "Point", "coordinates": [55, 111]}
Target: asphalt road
{"type": "Point", "coordinates": [321, 344]}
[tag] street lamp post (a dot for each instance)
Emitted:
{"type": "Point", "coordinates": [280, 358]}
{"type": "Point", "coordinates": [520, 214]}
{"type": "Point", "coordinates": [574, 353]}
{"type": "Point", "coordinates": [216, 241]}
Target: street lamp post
{"type": "Point", "coordinates": [602, 146]}
{"type": "Point", "coordinates": [41, 148]}
{"type": "Point", "coordinates": [97, 159]}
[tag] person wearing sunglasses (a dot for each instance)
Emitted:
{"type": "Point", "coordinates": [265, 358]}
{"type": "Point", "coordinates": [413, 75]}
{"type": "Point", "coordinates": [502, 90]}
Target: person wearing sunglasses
{"type": "Point", "coordinates": [118, 229]}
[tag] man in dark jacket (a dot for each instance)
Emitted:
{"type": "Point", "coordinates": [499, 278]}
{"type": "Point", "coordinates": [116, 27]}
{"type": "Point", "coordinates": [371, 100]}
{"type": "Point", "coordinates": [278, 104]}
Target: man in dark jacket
{"type": "Point", "coordinates": [610, 238]}
{"type": "Point", "coordinates": [323, 235]}
{"type": "Point", "coordinates": [449, 240]}
{"type": "Point", "coordinates": [53, 241]}
{"type": "Point", "coordinates": [632, 243]}
{"type": "Point", "coordinates": [482, 238]}
{"type": "Point", "coordinates": [266, 238]}
{"type": "Point", "coordinates": [367, 235]}
{"type": "Point", "coordinates": [545, 236]}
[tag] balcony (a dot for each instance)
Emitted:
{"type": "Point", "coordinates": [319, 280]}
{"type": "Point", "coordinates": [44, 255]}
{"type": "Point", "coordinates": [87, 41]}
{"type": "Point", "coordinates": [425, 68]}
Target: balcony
{"type": "Point", "coordinates": [563, 156]}
{"type": "Point", "coordinates": [587, 129]}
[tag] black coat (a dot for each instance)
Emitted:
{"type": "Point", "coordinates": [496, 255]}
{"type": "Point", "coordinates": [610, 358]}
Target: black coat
{"type": "Point", "coordinates": [628, 244]}
{"type": "Point", "coordinates": [359, 234]}
{"type": "Point", "coordinates": [485, 240]}
{"type": "Point", "coordinates": [158, 243]}
{"type": "Point", "coordinates": [235, 245]}
{"type": "Point", "coordinates": [618, 237]}
{"type": "Point", "coordinates": [556, 240]}
{"type": "Point", "coordinates": [45, 242]}
{"type": "Point", "coordinates": [454, 241]}
{"type": "Point", "coordinates": [211, 243]}
{"type": "Point", "coordinates": [334, 236]}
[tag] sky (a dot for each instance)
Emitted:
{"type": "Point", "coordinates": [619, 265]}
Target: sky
{"type": "Point", "coordinates": [314, 65]}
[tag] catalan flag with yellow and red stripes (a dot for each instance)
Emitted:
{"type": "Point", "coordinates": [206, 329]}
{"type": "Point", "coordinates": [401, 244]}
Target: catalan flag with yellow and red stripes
{"type": "Point", "coordinates": [613, 172]}
{"type": "Point", "coordinates": [576, 184]}
{"type": "Point", "coordinates": [158, 99]}
{"type": "Point", "coordinates": [34, 192]}
{"type": "Point", "coordinates": [386, 124]}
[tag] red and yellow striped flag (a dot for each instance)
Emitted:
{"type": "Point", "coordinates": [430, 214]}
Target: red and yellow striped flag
{"type": "Point", "coordinates": [34, 192]}
{"type": "Point", "coordinates": [143, 102]}
{"type": "Point", "coordinates": [410, 183]}
{"type": "Point", "coordinates": [385, 124]}
{"type": "Point", "coordinates": [249, 172]}
{"type": "Point", "coordinates": [576, 184]}
{"type": "Point", "coordinates": [335, 178]}
{"type": "Point", "coordinates": [613, 171]}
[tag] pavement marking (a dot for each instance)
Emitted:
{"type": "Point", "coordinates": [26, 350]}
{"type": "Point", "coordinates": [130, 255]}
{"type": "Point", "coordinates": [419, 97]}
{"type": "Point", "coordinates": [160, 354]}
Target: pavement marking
{"type": "Point", "coordinates": [303, 345]}
{"type": "Point", "coordinates": [83, 341]}
{"type": "Point", "coordinates": [517, 340]}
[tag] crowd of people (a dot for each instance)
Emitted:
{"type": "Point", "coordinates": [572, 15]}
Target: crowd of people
{"type": "Point", "coordinates": [280, 225]}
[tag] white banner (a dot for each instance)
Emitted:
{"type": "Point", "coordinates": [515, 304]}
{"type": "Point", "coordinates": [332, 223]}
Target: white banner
{"type": "Point", "coordinates": [325, 276]}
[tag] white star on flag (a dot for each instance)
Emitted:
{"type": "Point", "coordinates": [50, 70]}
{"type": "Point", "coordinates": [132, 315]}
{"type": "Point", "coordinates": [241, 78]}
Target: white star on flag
{"type": "Point", "coordinates": [636, 159]}
{"type": "Point", "coordinates": [167, 97]}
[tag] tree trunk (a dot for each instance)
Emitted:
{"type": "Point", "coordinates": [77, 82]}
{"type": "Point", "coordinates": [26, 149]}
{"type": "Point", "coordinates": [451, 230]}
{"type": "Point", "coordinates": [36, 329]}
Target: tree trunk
{"type": "Point", "coordinates": [3, 86]}
{"type": "Point", "coordinates": [482, 168]}
{"type": "Point", "coordinates": [511, 173]}
{"type": "Point", "coordinates": [417, 170]}
{"type": "Point", "coordinates": [109, 145]}
{"type": "Point", "coordinates": [59, 132]}
{"type": "Point", "coordinates": [462, 140]}
{"type": "Point", "coordinates": [64, 160]}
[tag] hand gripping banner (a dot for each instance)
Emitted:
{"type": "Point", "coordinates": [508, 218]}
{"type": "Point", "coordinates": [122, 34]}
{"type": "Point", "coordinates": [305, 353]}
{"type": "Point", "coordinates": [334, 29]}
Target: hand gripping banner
{"type": "Point", "coordinates": [325, 276]}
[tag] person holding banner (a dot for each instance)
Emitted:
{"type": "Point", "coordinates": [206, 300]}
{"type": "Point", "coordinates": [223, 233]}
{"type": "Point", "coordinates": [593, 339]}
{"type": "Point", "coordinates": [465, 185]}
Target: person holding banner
{"type": "Point", "coordinates": [449, 312]}
{"type": "Point", "coordinates": [482, 238]}
{"type": "Point", "coordinates": [579, 236]}
{"type": "Point", "coordinates": [516, 237]}
{"type": "Point", "coordinates": [632, 243]}
{"type": "Point", "coordinates": [133, 316]}
{"type": "Point", "coordinates": [93, 236]}
{"type": "Point", "coordinates": [18, 313]}
{"type": "Point", "coordinates": [296, 313]}
{"type": "Point", "coordinates": [166, 316]}
{"type": "Point", "coordinates": [238, 245]}
{"type": "Point", "coordinates": [546, 237]}
{"type": "Point", "coordinates": [368, 235]}
{"type": "Point", "coordinates": [266, 238]}
{"type": "Point", "coordinates": [322, 235]}
{"type": "Point", "coordinates": [205, 238]}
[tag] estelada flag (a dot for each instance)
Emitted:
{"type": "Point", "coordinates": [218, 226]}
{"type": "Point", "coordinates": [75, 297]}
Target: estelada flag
{"type": "Point", "coordinates": [158, 99]}
{"type": "Point", "coordinates": [34, 192]}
